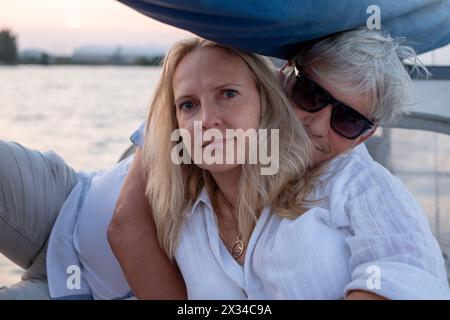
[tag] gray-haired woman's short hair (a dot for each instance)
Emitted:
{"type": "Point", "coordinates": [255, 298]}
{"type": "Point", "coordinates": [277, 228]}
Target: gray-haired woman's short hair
{"type": "Point", "coordinates": [365, 61]}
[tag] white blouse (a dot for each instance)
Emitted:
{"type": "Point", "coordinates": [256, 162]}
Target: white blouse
{"type": "Point", "coordinates": [368, 233]}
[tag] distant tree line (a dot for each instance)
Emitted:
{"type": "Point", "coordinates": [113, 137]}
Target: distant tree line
{"type": "Point", "coordinates": [8, 48]}
{"type": "Point", "coordinates": [153, 61]}
{"type": "Point", "coordinates": [9, 55]}
{"type": "Point", "coordinates": [46, 59]}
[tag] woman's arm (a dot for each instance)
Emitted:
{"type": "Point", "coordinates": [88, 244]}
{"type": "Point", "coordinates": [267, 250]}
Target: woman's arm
{"type": "Point", "coordinates": [389, 239]}
{"type": "Point", "coordinates": [132, 237]}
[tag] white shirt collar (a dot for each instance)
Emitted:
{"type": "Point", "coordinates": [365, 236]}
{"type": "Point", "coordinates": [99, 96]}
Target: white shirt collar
{"type": "Point", "coordinates": [203, 197]}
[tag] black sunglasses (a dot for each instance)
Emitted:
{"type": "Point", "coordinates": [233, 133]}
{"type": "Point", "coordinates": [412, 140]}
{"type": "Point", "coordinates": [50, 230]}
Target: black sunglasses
{"type": "Point", "coordinates": [344, 120]}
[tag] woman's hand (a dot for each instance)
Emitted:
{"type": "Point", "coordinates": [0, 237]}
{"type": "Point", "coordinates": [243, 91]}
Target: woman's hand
{"type": "Point", "coordinates": [363, 295]}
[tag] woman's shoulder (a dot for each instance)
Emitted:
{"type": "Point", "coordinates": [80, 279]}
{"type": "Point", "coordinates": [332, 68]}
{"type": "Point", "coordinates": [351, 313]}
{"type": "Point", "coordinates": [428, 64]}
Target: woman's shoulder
{"type": "Point", "coordinates": [355, 172]}
{"type": "Point", "coordinates": [355, 186]}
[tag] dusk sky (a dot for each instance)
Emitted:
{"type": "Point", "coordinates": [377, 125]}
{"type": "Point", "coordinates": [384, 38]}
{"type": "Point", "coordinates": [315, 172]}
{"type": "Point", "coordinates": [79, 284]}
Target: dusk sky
{"type": "Point", "coordinates": [60, 26]}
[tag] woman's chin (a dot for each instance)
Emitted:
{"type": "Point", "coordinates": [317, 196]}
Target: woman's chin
{"type": "Point", "coordinates": [219, 168]}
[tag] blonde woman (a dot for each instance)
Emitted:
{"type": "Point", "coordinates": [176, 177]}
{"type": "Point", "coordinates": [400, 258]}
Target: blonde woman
{"type": "Point", "coordinates": [219, 86]}
{"type": "Point", "coordinates": [223, 89]}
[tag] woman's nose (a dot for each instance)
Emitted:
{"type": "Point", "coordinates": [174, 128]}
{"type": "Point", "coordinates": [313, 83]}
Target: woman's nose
{"type": "Point", "coordinates": [211, 117]}
{"type": "Point", "coordinates": [318, 122]}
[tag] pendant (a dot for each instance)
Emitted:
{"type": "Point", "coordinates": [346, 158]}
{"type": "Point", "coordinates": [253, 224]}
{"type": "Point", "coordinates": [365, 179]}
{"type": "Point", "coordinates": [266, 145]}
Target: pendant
{"type": "Point", "coordinates": [238, 249]}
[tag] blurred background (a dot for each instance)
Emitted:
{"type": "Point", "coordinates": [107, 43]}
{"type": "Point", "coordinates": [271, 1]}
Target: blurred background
{"type": "Point", "coordinates": [77, 76]}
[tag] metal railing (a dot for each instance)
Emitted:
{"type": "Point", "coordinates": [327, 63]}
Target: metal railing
{"type": "Point", "coordinates": [423, 121]}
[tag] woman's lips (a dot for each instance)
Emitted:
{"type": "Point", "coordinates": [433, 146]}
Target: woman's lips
{"type": "Point", "coordinates": [217, 142]}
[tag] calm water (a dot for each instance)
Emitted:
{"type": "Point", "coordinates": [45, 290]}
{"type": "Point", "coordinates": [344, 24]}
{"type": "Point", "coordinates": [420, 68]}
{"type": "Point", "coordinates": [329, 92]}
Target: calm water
{"type": "Point", "coordinates": [86, 115]}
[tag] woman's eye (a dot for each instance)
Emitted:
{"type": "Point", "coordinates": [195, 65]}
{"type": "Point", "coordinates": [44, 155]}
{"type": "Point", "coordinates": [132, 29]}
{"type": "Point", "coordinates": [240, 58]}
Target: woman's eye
{"type": "Point", "coordinates": [188, 105]}
{"type": "Point", "coordinates": [229, 93]}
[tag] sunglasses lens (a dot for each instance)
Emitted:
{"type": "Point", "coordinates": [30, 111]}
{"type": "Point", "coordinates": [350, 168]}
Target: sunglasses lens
{"type": "Point", "coordinates": [308, 96]}
{"type": "Point", "coordinates": [347, 122]}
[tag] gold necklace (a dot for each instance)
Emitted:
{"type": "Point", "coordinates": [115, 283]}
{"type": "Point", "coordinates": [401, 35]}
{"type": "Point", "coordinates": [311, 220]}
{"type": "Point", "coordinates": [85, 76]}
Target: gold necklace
{"type": "Point", "coordinates": [238, 248]}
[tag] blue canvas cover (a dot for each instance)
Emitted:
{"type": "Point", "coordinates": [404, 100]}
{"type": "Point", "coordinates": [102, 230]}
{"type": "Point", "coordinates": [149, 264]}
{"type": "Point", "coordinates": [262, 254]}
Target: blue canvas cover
{"type": "Point", "coordinates": [278, 27]}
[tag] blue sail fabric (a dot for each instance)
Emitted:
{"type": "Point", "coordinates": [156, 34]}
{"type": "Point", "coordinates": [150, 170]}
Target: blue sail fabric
{"type": "Point", "coordinates": [277, 27]}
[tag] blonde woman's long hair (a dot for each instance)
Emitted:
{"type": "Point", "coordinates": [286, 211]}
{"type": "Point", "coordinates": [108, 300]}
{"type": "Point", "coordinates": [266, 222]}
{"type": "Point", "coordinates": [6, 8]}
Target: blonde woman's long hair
{"type": "Point", "coordinates": [171, 189]}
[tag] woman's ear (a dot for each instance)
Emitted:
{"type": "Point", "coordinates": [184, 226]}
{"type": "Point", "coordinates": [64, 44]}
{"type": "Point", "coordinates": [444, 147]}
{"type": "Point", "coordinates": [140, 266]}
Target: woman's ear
{"type": "Point", "coordinates": [287, 76]}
